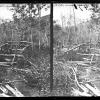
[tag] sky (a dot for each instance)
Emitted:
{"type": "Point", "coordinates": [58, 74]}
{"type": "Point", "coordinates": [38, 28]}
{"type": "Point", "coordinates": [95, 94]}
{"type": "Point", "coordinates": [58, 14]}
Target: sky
{"type": "Point", "coordinates": [5, 13]}
{"type": "Point", "coordinates": [59, 12]}
{"type": "Point", "coordinates": [63, 13]}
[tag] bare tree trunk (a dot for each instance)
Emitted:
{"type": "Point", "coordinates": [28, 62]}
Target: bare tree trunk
{"type": "Point", "coordinates": [39, 24]}
{"type": "Point", "coordinates": [46, 36]}
{"type": "Point", "coordinates": [11, 38]}
{"type": "Point", "coordinates": [74, 23]}
{"type": "Point", "coordinates": [32, 39]}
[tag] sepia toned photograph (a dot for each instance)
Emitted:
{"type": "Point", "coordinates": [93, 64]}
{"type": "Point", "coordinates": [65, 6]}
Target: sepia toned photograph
{"type": "Point", "coordinates": [24, 50]}
{"type": "Point", "coordinates": [76, 62]}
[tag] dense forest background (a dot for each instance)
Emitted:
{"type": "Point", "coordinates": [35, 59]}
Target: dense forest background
{"type": "Point", "coordinates": [78, 33]}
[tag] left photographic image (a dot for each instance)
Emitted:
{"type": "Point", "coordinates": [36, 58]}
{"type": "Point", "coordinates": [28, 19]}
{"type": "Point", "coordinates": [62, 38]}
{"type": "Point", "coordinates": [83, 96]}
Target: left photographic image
{"type": "Point", "coordinates": [24, 50]}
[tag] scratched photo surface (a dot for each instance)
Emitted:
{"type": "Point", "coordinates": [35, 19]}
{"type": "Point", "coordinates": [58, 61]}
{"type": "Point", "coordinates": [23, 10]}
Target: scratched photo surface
{"type": "Point", "coordinates": [76, 62]}
{"type": "Point", "coordinates": [24, 50]}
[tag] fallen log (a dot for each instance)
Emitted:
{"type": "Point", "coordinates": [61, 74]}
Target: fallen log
{"type": "Point", "coordinates": [21, 49]}
{"type": "Point", "coordinates": [6, 64]}
{"type": "Point", "coordinates": [16, 92]}
{"type": "Point", "coordinates": [89, 54]}
{"type": "Point", "coordinates": [18, 49]}
{"type": "Point", "coordinates": [80, 62]}
{"type": "Point", "coordinates": [12, 55]}
{"type": "Point", "coordinates": [19, 42]}
{"type": "Point", "coordinates": [3, 89]}
{"type": "Point", "coordinates": [1, 63]}
{"type": "Point", "coordinates": [74, 47]}
{"type": "Point", "coordinates": [78, 93]}
{"type": "Point", "coordinates": [4, 95]}
{"type": "Point", "coordinates": [94, 90]}
{"type": "Point", "coordinates": [3, 45]}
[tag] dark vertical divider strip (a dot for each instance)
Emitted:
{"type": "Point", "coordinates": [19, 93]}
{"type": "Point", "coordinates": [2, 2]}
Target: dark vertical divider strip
{"type": "Point", "coordinates": [51, 47]}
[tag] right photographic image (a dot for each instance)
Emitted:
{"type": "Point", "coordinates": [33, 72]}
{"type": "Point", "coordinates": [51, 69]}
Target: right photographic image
{"type": "Point", "coordinates": [76, 47]}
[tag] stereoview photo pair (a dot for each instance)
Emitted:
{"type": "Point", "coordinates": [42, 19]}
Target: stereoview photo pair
{"type": "Point", "coordinates": [49, 49]}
